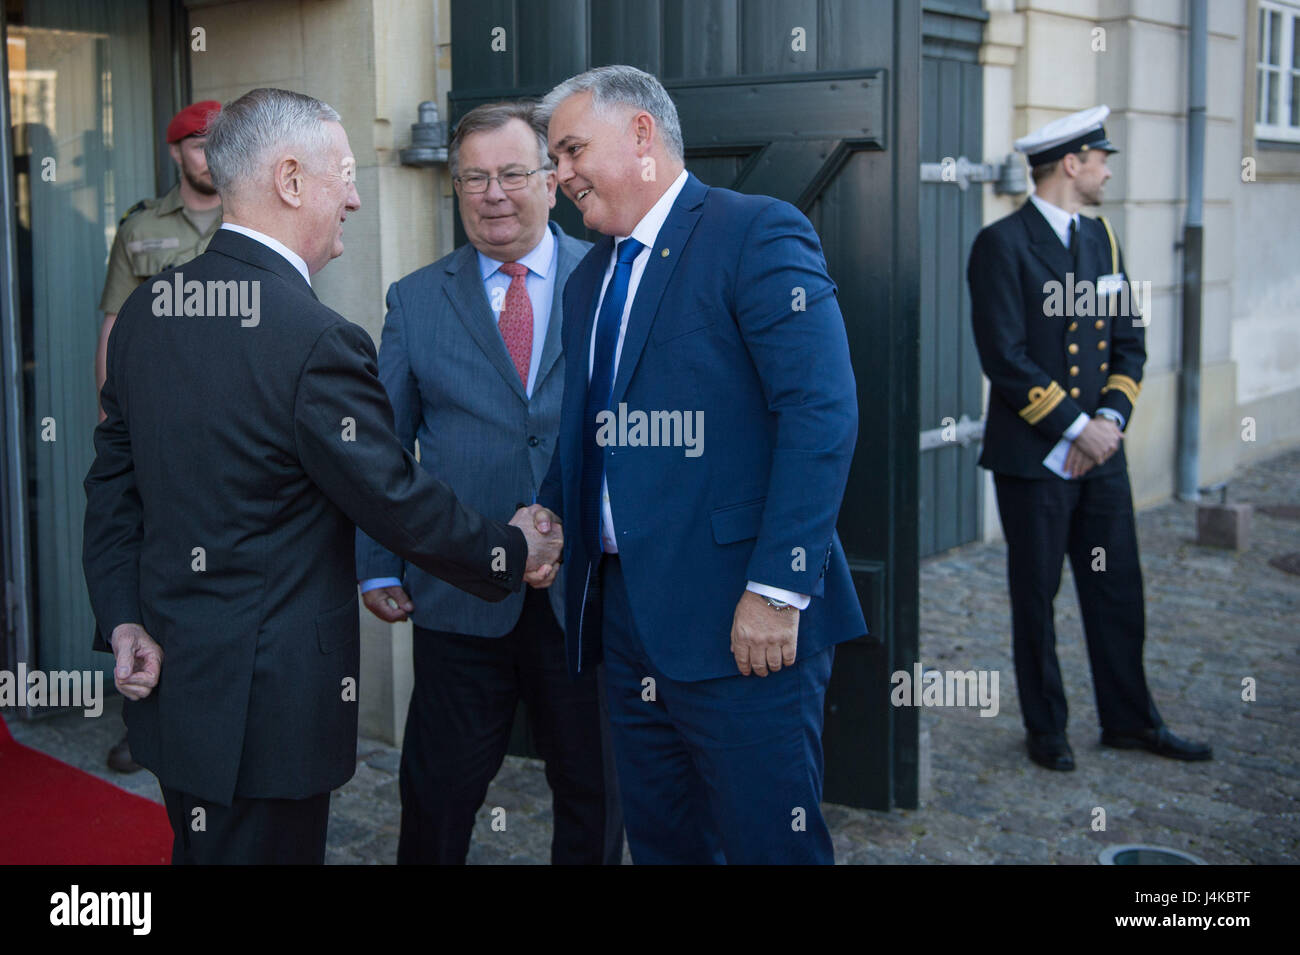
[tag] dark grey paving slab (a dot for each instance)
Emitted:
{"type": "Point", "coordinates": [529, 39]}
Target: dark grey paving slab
{"type": "Point", "coordinates": [1214, 619]}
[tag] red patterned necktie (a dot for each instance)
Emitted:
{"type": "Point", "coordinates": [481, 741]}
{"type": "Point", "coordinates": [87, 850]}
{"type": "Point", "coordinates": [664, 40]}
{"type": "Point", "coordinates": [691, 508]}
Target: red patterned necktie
{"type": "Point", "coordinates": [516, 321]}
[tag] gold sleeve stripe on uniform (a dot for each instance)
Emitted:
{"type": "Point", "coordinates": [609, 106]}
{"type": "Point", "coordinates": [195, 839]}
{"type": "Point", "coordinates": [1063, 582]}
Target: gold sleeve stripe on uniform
{"type": "Point", "coordinates": [1125, 385]}
{"type": "Point", "coordinates": [1114, 246]}
{"type": "Point", "coordinates": [1042, 402]}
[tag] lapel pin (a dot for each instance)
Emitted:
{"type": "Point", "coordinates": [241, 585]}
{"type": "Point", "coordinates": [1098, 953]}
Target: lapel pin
{"type": "Point", "coordinates": [664, 253]}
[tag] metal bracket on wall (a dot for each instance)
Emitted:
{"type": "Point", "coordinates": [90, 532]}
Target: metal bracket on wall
{"type": "Point", "coordinates": [1008, 176]}
{"type": "Point", "coordinates": [961, 432]}
{"type": "Point", "coordinates": [428, 139]}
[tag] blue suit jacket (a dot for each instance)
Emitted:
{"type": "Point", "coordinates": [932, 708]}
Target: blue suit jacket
{"type": "Point", "coordinates": [735, 317]}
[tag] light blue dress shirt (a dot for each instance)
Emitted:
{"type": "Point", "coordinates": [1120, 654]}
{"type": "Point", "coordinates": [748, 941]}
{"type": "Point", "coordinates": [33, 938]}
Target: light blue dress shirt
{"type": "Point", "coordinates": [540, 281]}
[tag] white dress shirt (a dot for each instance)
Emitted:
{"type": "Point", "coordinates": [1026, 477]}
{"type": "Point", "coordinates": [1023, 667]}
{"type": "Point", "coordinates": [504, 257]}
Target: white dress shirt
{"type": "Point", "coordinates": [1056, 217]}
{"type": "Point", "coordinates": [1060, 221]}
{"type": "Point", "coordinates": [275, 245]}
{"type": "Point", "coordinates": [647, 232]}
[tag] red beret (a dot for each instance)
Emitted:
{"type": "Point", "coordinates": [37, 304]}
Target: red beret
{"type": "Point", "coordinates": [192, 120]}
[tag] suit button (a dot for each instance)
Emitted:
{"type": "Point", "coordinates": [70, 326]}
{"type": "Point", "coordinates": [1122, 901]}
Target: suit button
{"type": "Point", "coordinates": [1073, 349]}
{"type": "Point", "coordinates": [1074, 392]}
{"type": "Point", "coordinates": [1099, 324]}
{"type": "Point", "coordinates": [1074, 371]}
{"type": "Point", "coordinates": [1105, 365]}
{"type": "Point", "coordinates": [532, 441]}
{"type": "Point", "coordinates": [1101, 345]}
{"type": "Point", "coordinates": [1074, 326]}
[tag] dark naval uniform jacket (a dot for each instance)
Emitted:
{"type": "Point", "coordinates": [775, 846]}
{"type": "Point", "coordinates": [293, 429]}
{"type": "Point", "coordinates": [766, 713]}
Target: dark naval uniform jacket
{"type": "Point", "coordinates": [1051, 347]}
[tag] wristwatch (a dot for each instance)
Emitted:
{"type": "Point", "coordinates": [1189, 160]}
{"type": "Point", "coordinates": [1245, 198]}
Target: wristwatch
{"type": "Point", "coordinates": [777, 604]}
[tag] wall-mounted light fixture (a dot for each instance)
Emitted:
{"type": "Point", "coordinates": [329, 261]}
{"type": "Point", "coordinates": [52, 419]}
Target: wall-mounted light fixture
{"type": "Point", "coordinates": [428, 139]}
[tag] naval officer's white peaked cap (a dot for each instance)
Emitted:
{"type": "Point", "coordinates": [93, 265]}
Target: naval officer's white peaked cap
{"type": "Point", "coordinates": [1076, 133]}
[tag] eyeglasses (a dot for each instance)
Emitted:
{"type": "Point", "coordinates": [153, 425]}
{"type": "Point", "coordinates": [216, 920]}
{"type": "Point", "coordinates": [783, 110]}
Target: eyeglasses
{"type": "Point", "coordinates": [510, 181]}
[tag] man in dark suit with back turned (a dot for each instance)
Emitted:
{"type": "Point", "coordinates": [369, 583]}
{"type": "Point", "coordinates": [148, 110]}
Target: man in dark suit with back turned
{"type": "Point", "coordinates": [472, 363]}
{"type": "Point", "coordinates": [246, 434]}
{"type": "Point", "coordinates": [710, 570]}
{"type": "Point", "coordinates": [1065, 376]}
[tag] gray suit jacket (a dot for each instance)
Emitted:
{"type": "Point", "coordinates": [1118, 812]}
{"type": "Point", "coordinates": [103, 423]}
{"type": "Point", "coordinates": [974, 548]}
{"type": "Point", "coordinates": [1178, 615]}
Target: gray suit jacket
{"type": "Point", "coordinates": [453, 386]}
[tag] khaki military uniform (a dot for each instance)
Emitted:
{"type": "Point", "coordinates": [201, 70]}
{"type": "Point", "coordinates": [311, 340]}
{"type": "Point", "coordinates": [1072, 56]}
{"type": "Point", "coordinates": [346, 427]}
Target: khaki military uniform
{"type": "Point", "coordinates": [153, 235]}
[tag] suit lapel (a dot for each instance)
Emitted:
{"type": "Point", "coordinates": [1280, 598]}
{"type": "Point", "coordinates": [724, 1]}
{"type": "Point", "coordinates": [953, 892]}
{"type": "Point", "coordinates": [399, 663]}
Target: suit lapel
{"type": "Point", "coordinates": [1094, 261]}
{"type": "Point", "coordinates": [587, 286]}
{"type": "Point", "coordinates": [1045, 243]}
{"type": "Point", "coordinates": [465, 293]}
{"type": "Point", "coordinates": [672, 238]}
{"type": "Point", "coordinates": [566, 261]}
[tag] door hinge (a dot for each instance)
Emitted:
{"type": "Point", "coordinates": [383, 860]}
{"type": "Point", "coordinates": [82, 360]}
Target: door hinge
{"type": "Point", "coordinates": [961, 432]}
{"type": "Point", "coordinates": [1007, 176]}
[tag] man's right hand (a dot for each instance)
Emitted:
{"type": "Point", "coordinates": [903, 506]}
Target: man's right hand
{"type": "Point", "coordinates": [545, 537]}
{"type": "Point", "coordinates": [389, 604]}
{"type": "Point", "coordinates": [1099, 439]}
{"type": "Point", "coordinates": [138, 661]}
{"type": "Point", "coordinates": [1077, 464]}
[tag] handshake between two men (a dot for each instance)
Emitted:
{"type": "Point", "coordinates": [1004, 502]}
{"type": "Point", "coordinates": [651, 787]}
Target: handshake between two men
{"type": "Point", "coordinates": [545, 536]}
{"type": "Point", "coordinates": [139, 658]}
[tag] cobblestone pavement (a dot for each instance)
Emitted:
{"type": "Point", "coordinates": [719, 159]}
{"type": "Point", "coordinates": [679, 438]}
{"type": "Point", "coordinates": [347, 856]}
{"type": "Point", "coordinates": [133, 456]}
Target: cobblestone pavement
{"type": "Point", "coordinates": [1214, 618]}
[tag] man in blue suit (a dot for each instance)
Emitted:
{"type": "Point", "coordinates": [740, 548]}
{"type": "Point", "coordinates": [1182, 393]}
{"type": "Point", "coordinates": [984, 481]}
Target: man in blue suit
{"type": "Point", "coordinates": [708, 424]}
{"type": "Point", "coordinates": [472, 363]}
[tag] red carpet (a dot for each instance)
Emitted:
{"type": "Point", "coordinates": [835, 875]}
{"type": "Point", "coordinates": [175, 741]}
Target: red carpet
{"type": "Point", "coordinates": [54, 814]}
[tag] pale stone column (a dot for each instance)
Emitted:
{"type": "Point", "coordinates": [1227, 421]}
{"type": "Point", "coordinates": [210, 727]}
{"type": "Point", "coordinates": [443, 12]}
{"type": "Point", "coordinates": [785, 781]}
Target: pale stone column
{"type": "Point", "coordinates": [374, 62]}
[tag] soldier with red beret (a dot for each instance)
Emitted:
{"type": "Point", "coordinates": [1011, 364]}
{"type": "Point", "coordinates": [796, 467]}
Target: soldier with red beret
{"type": "Point", "coordinates": [155, 234]}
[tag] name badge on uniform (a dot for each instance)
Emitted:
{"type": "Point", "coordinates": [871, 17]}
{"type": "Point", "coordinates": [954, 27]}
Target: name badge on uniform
{"type": "Point", "coordinates": [153, 245]}
{"type": "Point", "coordinates": [1110, 284]}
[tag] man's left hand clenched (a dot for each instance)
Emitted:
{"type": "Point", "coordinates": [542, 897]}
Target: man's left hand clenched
{"type": "Point", "coordinates": [763, 639]}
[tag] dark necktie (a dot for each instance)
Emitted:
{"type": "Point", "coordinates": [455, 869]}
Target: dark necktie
{"type": "Point", "coordinates": [516, 321]}
{"type": "Point", "coordinates": [1074, 242]}
{"type": "Point", "coordinates": [599, 391]}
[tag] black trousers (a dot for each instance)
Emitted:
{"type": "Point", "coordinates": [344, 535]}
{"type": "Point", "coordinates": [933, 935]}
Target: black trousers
{"type": "Point", "coordinates": [458, 729]}
{"type": "Point", "coordinates": [1090, 521]}
{"type": "Point", "coordinates": [247, 832]}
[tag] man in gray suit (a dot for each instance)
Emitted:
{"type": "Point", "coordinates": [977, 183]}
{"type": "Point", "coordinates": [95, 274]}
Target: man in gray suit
{"type": "Point", "coordinates": [471, 359]}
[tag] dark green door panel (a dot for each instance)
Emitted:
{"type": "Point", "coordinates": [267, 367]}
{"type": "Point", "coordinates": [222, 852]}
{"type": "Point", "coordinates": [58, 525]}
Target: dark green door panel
{"type": "Point", "coordinates": [816, 102]}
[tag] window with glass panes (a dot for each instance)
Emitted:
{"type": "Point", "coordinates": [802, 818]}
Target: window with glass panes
{"type": "Point", "coordinates": [1277, 68]}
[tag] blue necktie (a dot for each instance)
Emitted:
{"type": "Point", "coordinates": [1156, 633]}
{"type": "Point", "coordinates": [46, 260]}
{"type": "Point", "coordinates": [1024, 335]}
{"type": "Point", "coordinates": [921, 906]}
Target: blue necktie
{"type": "Point", "coordinates": [600, 389]}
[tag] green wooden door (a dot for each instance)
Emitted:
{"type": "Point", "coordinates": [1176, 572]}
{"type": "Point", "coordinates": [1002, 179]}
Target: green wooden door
{"type": "Point", "coordinates": [815, 102]}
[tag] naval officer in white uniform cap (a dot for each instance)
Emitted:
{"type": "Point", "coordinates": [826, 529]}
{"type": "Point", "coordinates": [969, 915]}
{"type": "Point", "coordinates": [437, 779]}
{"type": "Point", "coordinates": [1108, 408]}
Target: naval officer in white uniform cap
{"type": "Point", "coordinates": [1063, 349]}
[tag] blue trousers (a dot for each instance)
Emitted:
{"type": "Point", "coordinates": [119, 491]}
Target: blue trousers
{"type": "Point", "coordinates": [727, 770]}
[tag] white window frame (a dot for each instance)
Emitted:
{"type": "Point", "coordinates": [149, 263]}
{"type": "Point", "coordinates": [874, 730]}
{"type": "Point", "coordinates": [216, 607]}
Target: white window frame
{"type": "Point", "coordinates": [1284, 70]}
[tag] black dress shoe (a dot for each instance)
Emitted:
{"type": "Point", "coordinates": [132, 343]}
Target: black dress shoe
{"type": "Point", "coordinates": [1051, 750]}
{"type": "Point", "coordinates": [1159, 741]}
{"type": "Point", "coordinates": [119, 758]}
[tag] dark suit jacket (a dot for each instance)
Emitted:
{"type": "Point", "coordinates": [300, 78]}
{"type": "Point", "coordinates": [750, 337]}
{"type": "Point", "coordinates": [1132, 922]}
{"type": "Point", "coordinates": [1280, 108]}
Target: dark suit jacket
{"type": "Point", "coordinates": [453, 386]}
{"type": "Point", "coordinates": [715, 328]}
{"type": "Point", "coordinates": [1045, 369]}
{"type": "Point", "coordinates": [262, 446]}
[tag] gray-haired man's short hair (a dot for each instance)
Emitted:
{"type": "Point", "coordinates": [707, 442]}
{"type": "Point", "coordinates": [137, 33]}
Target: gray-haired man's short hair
{"type": "Point", "coordinates": [245, 131]}
{"type": "Point", "coordinates": [622, 86]}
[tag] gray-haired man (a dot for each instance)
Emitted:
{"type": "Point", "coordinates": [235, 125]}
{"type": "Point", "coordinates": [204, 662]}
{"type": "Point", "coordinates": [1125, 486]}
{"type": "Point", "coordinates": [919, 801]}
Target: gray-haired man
{"type": "Point", "coordinates": [246, 434]}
